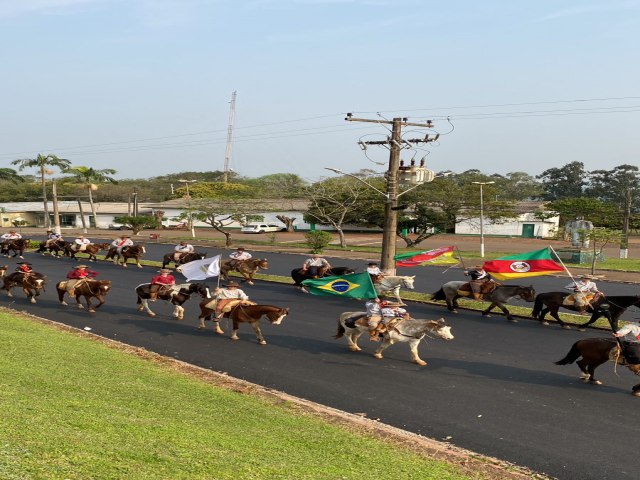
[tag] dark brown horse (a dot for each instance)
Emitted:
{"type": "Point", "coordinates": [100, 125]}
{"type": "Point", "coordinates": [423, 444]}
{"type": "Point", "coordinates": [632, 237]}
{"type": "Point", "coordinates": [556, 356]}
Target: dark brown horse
{"type": "Point", "coordinates": [610, 307]}
{"type": "Point", "coordinates": [247, 268]}
{"type": "Point", "coordinates": [243, 313]}
{"type": "Point", "coordinates": [32, 284]}
{"type": "Point", "coordinates": [92, 250]}
{"type": "Point", "coordinates": [16, 246]}
{"type": "Point", "coordinates": [189, 257]}
{"type": "Point", "coordinates": [593, 352]}
{"type": "Point", "coordinates": [133, 251]}
{"type": "Point", "coordinates": [55, 246]}
{"type": "Point", "coordinates": [88, 289]}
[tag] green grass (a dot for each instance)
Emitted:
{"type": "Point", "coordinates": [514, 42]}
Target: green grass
{"type": "Point", "coordinates": [73, 408]}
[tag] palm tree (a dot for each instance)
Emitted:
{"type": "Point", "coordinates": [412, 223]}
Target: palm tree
{"type": "Point", "coordinates": [10, 175]}
{"type": "Point", "coordinates": [41, 162]}
{"type": "Point", "coordinates": [89, 178]}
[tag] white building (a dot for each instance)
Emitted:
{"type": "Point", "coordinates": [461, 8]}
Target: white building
{"type": "Point", "coordinates": [524, 225]}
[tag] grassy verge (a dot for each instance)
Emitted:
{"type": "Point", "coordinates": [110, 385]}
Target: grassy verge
{"type": "Point", "coordinates": [74, 408]}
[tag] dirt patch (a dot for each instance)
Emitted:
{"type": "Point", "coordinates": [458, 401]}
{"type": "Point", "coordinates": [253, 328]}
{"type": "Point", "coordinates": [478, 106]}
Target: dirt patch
{"type": "Point", "coordinates": [472, 464]}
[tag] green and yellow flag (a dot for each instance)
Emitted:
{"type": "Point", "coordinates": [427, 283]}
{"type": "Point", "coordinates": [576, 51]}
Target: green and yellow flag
{"type": "Point", "coordinates": [355, 285]}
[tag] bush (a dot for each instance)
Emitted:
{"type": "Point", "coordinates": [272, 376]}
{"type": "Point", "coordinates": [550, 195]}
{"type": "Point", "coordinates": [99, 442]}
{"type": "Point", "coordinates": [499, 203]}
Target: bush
{"type": "Point", "coordinates": [317, 240]}
{"type": "Point", "coordinates": [136, 224]}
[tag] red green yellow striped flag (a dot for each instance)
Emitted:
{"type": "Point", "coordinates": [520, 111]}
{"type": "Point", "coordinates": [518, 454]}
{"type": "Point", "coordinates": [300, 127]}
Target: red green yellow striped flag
{"type": "Point", "coordinates": [529, 264]}
{"type": "Point", "coordinates": [438, 256]}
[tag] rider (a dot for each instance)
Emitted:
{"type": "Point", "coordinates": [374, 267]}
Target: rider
{"type": "Point", "coordinates": [159, 282]}
{"type": "Point", "coordinates": [391, 312]}
{"type": "Point", "coordinates": [230, 292]}
{"type": "Point", "coordinates": [238, 256]}
{"type": "Point", "coordinates": [121, 242]}
{"type": "Point", "coordinates": [631, 348]}
{"type": "Point", "coordinates": [24, 267]}
{"type": "Point", "coordinates": [182, 249]}
{"type": "Point", "coordinates": [76, 276]}
{"type": "Point", "coordinates": [51, 238]}
{"type": "Point", "coordinates": [375, 272]}
{"type": "Point", "coordinates": [478, 277]}
{"type": "Point", "coordinates": [80, 243]}
{"type": "Point", "coordinates": [585, 292]}
{"type": "Point", "coordinates": [374, 317]}
{"type": "Point", "coordinates": [313, 264]}
{"type": "Point", "coordinates": [12, 235]}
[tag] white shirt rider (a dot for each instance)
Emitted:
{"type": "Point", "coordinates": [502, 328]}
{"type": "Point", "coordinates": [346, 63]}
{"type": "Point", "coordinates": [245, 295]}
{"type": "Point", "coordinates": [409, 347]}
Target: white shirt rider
{"type": "Point", "coordinates": [81, 243]}
{"type": "Point", "coordinates": [182, 249]}
{"type": "Point", "coordinates": [120, 243]}
{"type": "Point", "coordinates": [374, 270]}
{"type": "Point", "coordinates": [583, 286]}
{"type": "Point", "coordinates": [629, 328]}
{"type": "Point", "coordinates": [12, 235]}
{"type": "Point", "coordinates": [240, 255]}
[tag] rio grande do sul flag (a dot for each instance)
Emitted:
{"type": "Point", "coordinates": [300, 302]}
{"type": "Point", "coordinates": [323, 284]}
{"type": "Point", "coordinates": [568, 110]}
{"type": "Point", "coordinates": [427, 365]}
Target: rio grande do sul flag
{"type": "Point", "coordinates": [438, 256]}
{"type": "Point", "coordinates": [354, 285]}
{"type": "Point", "coordinates": [529, 264]}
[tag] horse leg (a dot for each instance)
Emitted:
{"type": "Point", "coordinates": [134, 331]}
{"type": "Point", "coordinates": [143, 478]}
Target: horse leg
{"type": "Point", "coordinates": [144, 306]}
{"type": "Point", "coordinates": [554, 314]}
{"type": "Point", "coordinates": [486, 312]}
{"type": "Point", "coordinates": [248, 278]}
{"type": "Point", "coordinates": [595, 316]}
{"type": "Point", "coordinates": [61, 293]}
{"type": "Point", "coordinates": [80, 306]}
{"type": "Point", "coordinates": [635, 390]}
{"type": "Point", "coordinates": [30, 295]}
{"type": "Point", "coordinates": [413, 346]}
{"type": "Point", "coordinates": [180, 312]}
{"type": "Point", "coordinates": [352, 339]}
{"type": "Point", "coordinates": [256, 328]}
{"type": "Point", "coordinates": [234, 331]}
{"type": "Point", "coordinates": [386, 343]}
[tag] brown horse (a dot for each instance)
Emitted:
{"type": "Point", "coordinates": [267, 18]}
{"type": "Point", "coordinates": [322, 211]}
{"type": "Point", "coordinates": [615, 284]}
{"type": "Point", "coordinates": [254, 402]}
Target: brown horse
{"type": "Point", "coordinates": [247, 268]}
{"type": "Point", "coordinates": [186, 258]}
{"type": "Point", "coordinates": [133, 251]}
{"type": "Point", "coordinates": [243, 313]}
{"type": "Point", "coordinates": [16, 246]}
{"type": "Point", "coordinates": [92, 250]}
{"type": "Point", "coordinates": [595, 352]}
{"type": "Point", "coordinates": [32, 284]}
{"type": "Point", "coordinates": [54, 247]}
{"type": "Point", "coordinates": [88, 289]}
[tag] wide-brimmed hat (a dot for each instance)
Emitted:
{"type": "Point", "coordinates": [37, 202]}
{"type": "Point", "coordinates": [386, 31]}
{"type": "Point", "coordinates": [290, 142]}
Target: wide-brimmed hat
{"type": "Point", "coordinates": [240, 248]}
{"type": "Point", "coordinates": [231, 284]}
{"type": "Point", "coordinates": [24, 263]}
{"type": "Point", "coordinates": [372, 263]}
{"type": "Point", "coordinates": [165, 270]}
{"type": "Point", "coordinates": [81, 266]}
{"type": "Point", "coordinates": [479, 266]}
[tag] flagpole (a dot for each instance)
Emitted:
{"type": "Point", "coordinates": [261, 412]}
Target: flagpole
{"type": "Point", "coordinates": [460, 257]}
{"type": "Point", "coordinates": [563, 266]}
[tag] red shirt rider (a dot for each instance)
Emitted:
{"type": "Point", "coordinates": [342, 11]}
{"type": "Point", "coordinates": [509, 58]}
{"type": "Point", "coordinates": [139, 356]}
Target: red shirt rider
{"type": "Point", "coordinates": [25, 267]}
{"type": "Point", "coordinates": [158, 281]}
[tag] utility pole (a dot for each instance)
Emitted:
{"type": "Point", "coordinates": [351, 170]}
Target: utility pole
{"type": "Point", "coordinates": [56, 213]}
{"type": "Point", "coordinates": [229, 148]}
{"type": "Point", "coordinates": [395, 143]}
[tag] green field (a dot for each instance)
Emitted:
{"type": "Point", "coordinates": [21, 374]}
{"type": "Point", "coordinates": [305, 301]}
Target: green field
{"type": "Point", "coordinates": [74, 408]}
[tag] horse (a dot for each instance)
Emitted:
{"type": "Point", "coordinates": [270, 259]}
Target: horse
{"type": "Point", "coordinates": [56, 246]}
{"type": "Point", "coordinates": [189, 257]}
{"type": "Point", "coordinates": [595, 352]}
{"type": "Point", "coordinates": [390, 285]}
{"type": "Point", "coordinates": [18, 247]}
{"type": "Point", "coordinates": [32, 284]}
{"type": "Point", "coordinates": [410, 330]}
{"type": "Point", "coordinates": [603, 306]}
{"type": "Point", "coordinates": [247, 268]}
{"type": "Point", "coordinates": [498, 297]}
{"type": "Point", "coordinates": [176, 295]}
{"type": "Point", "coordinates": [299, 276]}
{"type": "Point", "coordinates": [243, 313]}
{"type": "Point", "coordinates": [88, 289]}
{"type": "Point", "coordinates": [92, 249]}
{"type": "Point", "coordinates": [132, 251]}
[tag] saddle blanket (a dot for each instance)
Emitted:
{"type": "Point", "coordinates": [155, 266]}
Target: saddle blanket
{"type": "Point", "coordinates": [229, 306]}
{"type": "Point", "coordinates": [577, 299]}
{"type": "Point", "coordinates": [351, 321]}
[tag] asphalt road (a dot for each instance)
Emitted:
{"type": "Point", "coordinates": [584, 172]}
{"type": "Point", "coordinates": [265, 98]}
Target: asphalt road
{"type": "Point", "coordinates": [493, 389]}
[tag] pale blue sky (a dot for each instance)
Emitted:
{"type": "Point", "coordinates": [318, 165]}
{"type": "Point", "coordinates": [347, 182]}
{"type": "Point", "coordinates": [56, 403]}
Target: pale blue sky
{"type": "Point", "coordinates": [143, 86]}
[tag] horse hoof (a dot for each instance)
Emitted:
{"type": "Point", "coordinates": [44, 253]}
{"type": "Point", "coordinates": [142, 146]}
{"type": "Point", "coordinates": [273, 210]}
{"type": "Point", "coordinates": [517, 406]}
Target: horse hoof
{"type": "Point", "coordinates": [219, 332]}
{"type": "Point", "coordinates": [200, 327]}
{"type": "Point", "coordinates": [582, 329]}
{"type": "Point", "coordinates": [566, 327]}
{"type": "Point", "coordinates": [10, 294]}
{"type": "Point", "coordinates": [33, 300]}
{"type": "Point", "coordinates": [513, 320]}
{"type": "Point", "coordinates": [262, 342]}
{"type": "Point", "coordinates": [486, 314]}
{"type": "Point", "coordinates": [454, 311]}
{"type": "Point", "coordinates": [64, 303]}
{"type": "Point", "coordinates": [151, 314]}
{"type": "Point", "coordinates": [636, 393]}
{"type": "Point", "coordinates": [91, 310]}
{"type": "Point", "coordinates": [546, 324]}
{"type": "Point", "coordinates": [422, 363]}
{"type": "Point", "coordinates": [235, 338]}
{"type": "Point", "coordinates": [377, 355]}
{"type": "Point", "coordinates": [80, 306]}
{"type": "Point", "coordinates": [249, 283]}
{"type": "Point", "coordinates": [595, 382]}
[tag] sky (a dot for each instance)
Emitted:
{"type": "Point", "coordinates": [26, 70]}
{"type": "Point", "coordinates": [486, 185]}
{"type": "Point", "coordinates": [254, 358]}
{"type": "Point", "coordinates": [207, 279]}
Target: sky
{"type": "Point", "coordinates": [144, 86]}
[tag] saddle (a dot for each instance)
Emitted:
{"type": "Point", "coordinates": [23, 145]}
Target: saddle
{"type": "Point", "coordinates": [351, 321]}
{"type": "Point", "coordinates": [235, 303]}
{"type": "Point", "coordinates": [485, 288]}
{"type": "Point", "coordinates": [631, 352]}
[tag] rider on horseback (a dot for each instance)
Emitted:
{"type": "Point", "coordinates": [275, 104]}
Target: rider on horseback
{"type": "Point", "coordinates": [182, 249]}
{"type": "Point", "coordinates": [311, 266]}
{"type": "Point", "coordinates": [122, 242]}
{"type": "Point", "coordinates": [160, 282]}
{"type": "Point", "coordinates": [229, 293]}
{"type": "Point", "coordinates": [51, 238]}
{"type": "Point", "coordinates": [585, 292]}
{"type": "Point", "coordinates": [79, 274]}
{"type": "Point", "coordinates": [478, 278]}
{"type": "Point", "coordinates": [238, 256]}
{"type": "Point", "coordinates": [80, 244]}
{"type": "Point", "coordinates": [25, 268]}
{"type": "Point", "coordinates": [631, 349]}
{"type": "Point", "coordinates": [12, 235]}
{"type": "Point", "coordinates": [375, 272]}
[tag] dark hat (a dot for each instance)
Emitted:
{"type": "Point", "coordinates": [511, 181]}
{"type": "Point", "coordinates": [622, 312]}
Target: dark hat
{"type": "Point", "coordinates": [231, 284]}
{"type": "Point", "coordinates": [24, 263]}
{"type": "Point", "coordinates": [240, 248]}
{"type": "Point", "coordinates": [372, 263]}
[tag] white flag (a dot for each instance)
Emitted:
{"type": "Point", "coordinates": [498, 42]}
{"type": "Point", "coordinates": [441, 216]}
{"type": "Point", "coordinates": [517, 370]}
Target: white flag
{"type": "Point", "coordinates": [201, 269]}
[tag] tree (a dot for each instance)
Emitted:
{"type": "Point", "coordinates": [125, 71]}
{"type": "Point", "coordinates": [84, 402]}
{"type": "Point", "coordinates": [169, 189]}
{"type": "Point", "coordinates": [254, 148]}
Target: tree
{"type": "Point", "coordinates": [598, 237]}
{"type": "Point", "coordinates": [288, 221]}
{"type": "Point", "coordinates": [10, 175]}
{"type": "Point", "coordinates": [220, 215]}
{"type": "Point", "coordinates": [517, 186]}
{"type": "Point", "coordinates": [564, 182]}
{"type": "Point", "coordinates": [600, 213]}
{"type": "Point", "coordinates": [215, 190]}
{"type": "Point", "coordinates": [278, 185]}
{"type": "Point", "coordinates": [335, 201]}
{"type": "Point", "coordinates": [137, 224]}
{"type": "Point", "coordinates": [317, 240]}
{"type": "Point", "coordinates": [90, 178]}
{"type": "Point", "coordinates": [620, 186]}
{"type": "Point", "coordinates": [41, 162]}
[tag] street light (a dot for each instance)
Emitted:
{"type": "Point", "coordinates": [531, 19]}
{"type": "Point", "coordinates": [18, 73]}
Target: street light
{"type": "Point", "coordinates": [190, 218]}
{"type": "Point", "coordinates": [482, 216]}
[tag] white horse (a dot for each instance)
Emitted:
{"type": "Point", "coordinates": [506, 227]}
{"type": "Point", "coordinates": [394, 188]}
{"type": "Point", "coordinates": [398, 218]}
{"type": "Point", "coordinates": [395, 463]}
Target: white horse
{"type": "Point", "coordinates": [390, 286]}
{"type": "Point", "coordinates": [411, 331]}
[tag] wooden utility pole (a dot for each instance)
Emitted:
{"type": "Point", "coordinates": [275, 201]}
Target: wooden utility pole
{"type": "Point", "coordinates": [395, 143]}
{"type": "Point", "coordinates": [229, 148]}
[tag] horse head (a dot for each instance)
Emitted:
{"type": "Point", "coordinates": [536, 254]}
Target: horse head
{"type": "Point", "coordinates": [278, 315]}
{"type": "Point", "coordinates": [262, 263]}
{"type": "Point", "coordinates": [407, 282]}
{"type": "Point", "coordinates": [104, 285]}
{"type": "Point", "coordinates": [442, 329]}
{"type": "Point", "coordinates": [201, 289]}
{"type": "Point", "coordinates": [527, 293]}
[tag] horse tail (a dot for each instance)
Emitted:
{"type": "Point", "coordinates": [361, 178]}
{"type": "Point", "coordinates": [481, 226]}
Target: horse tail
{"type": "Point", "coordinates": [439, 295]}
{"type": "Point", "coordinates": [537, 307]}
{"type": "Point", "coordinates": [341, 330]}
{"type": "Point", "coordinates": [571, 357]}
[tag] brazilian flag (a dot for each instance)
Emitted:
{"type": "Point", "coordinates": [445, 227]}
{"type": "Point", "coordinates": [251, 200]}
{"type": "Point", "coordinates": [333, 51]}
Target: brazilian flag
{"type": "Point", "coordinates": [355, 285]}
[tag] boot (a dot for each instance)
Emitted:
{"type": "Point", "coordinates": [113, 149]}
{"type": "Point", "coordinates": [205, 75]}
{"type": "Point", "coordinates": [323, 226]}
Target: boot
{"type": "Point", "coordinates": [373, 335]}
{"type": "Point", "coordinates": [72, 293]}
{"type": "Point", "coordinates": [153, 297]}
